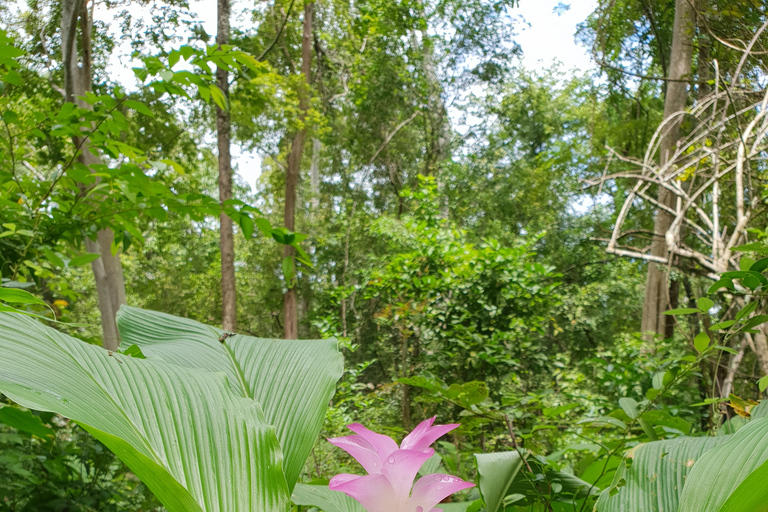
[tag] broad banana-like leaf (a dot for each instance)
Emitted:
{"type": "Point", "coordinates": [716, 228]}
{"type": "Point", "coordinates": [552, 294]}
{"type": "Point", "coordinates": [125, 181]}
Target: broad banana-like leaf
{"type": "Point", "coordinates": [197, 446]}
{"type": "Point", "coordinates": [751, 495]}
{"type": "Point", "coordinates": [293, 380]}
{"type": "Point", "coordinates": [760, 410]}
{"type": "Point", "coordinates": [322, 497]}
{"type": "Point", "coordinates": [717, 477]}
{"type": "Point", "coordinates": [495, 473]}
{"type": "Point", "coordinates": [652, 475]}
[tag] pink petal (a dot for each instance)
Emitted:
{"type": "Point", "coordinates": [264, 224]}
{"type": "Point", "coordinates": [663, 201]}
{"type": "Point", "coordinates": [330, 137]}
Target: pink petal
{"type": "Point", "coordinates": [401, 468]}
{"type": "Point", "coordinates": [425, 434]}
{"type": "Point", "coordinates": [342, 478]}
{"type": "Point", "coordinates": [361, 450]}
{"type": "Point", "coordinates": [432, 489]}
{"type": "Point", "coordinates": [382, 444]}
{"type": "Point", "coordinates": [374, 492]}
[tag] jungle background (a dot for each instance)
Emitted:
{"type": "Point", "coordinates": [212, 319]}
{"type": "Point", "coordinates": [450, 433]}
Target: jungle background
{"type": "Point", "coordinates": [444, 212]}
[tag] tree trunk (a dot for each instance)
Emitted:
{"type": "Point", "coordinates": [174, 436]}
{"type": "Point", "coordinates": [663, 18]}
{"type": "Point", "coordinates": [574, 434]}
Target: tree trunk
{"type": "Point", "coordinates": [107, 269]}
{"type": "Point", "coordinates": [733, 367]}
{"type": "Point", "coordinates": [761, 348]}
{"type": "Point", "coordinates": [290, 306]}
{"type": "Point", "coordinates": [314, 176]}
{"type": "Point", "coordinates": [654, 321]}
{"type": "Point", "coordinates": [226, 237]}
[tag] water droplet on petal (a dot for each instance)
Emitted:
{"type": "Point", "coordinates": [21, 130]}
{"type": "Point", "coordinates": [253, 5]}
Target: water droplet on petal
{"type": "Point", "coordinates": [438, 487]}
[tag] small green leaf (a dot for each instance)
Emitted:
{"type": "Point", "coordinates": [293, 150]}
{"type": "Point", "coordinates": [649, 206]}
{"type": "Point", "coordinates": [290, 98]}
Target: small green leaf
{"type": "Point", "coordinates": [701, 342]}
{"type": "Point", "coordinates": [745, 263]}
{"type": "Point", "coordinates": [746, 310]}
{"type": "Point", "coordinates": [83, 259]}
{"type": "Point", "coordinates": [289, 271]}
{"type": "Point", "coordinates": [726, 349]}
{"type": "Point", "coordinates": [53, 258]}
{"type": "Point", "coordinates": [139, 107]}
{"type": "Point", "coordinates": [722, 283]}
{"type": "Point", "coordinates": [722, 325]}
{"type": "Point", "coordinates": [762, 384]}
{"type": "Point", "coordinates": [606, 420]}
{"type": "Point", "coordinates": [682, 311]}
{"type": "Point", "coordinates": [264, 226]}
{"type": "Point", "coordinates": [16, 296]}
{"type": "Point", "coordinates": [705, 304]}
{"type": "Point", "coordinates": [629, 406]}
{"type": "Point", "coordinates": [759, 265]}
{"type": "Point", "coordinates": [754, 322]}
{"type": "Point", "coordinates": [219, 98]}
{"type": "Point", "coordinates": [246, 224]}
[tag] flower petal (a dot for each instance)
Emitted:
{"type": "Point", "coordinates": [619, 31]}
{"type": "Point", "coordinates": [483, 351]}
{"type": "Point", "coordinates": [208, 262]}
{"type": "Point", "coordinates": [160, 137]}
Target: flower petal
{"type": "Point", "coordinates": [361, 450]}
{"type": "Point", "coordinates": [425, 434]}
{"type": "Point", "coordinates": [382, 444]}
{"type": "Point", "coordinates": [342, 478]}
{"type": "Point", "coordinates": [374, 492]}
{"type": "Point", "coordinates": [401, 468]}
{"type": "Point", "coordinates": [432, 489]}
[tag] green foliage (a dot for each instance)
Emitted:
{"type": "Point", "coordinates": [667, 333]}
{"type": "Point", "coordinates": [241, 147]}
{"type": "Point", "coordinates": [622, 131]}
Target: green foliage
{"type": "Point", "coordinates": [726, 477]}
{"type": "Point", "coordinates": [201, 450]}
{"type": "Point", "coordinates": [61, 467]}
{"type": "Point", "coordinates": [305, 372]}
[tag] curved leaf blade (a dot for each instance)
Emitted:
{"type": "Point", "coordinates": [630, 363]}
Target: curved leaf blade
{"type": "Point", "coordinates": [322, 497]}
{"type": "Point", "coordinates": [293, 380]}
{"type": "Point", "coordinates": [495, 473]}
{"type": "Point", "coordinates": [716, 477]}
{"type": "Point", "coordinates": [194, 443]}
{"type": "Point", "coordinates": [654, 480]}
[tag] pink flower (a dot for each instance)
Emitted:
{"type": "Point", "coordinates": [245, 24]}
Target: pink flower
{"type": "Point", "coordinates": [391, 470]}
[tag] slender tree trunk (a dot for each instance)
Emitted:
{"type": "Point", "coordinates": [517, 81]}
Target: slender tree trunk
{"type": "Point", "coordinates": [226, 237]}
{"type": "Point", "coordinates": [761, 348]}
{"type": "Point", "coordinates": [314, 176]}
{"type": "Point", "coordinates": [654, 321]}
{"type": "Point", "coordinates": [733, 367]}
{"type": "Point", "coordinates": [290, 305]}
{"type": "Point", "coordinates": [107, 269]}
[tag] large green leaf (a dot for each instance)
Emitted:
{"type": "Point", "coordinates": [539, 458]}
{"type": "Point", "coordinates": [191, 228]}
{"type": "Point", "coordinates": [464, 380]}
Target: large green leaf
{"type": "Point", "coordinates": [322, 497]}
{"type": "Point", "coordinates": [194, 443]}
{"type": "Point", "coordinates": [716, 478]}
{"type": "Point", "coordinates": [751, 495]}
{"type": "Point", "coordinates": [495, 473]}
{"type": "Point", "coordinates": [652, 476]}
{"type": "Point", "coordinates": [760, 410]}
{"type": "Point", "coordinates": [292, 380]}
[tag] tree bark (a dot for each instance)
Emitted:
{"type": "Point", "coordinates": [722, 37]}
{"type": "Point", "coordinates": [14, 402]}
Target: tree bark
{"type": "Point", "coordinates": [290, 305]}
{"type": "Point", "coordinates": [761, 348]}
{"type": "Point", "coordinates": [226, 237]}
{"type": "Point", "coordinates": [733, 367]}
{"type": "Point", "coordinates": [654, 321]}
{"type": "Point", "coordinates": [314, 175]}
{"type": "Point", "coordinates": [107, 269]}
